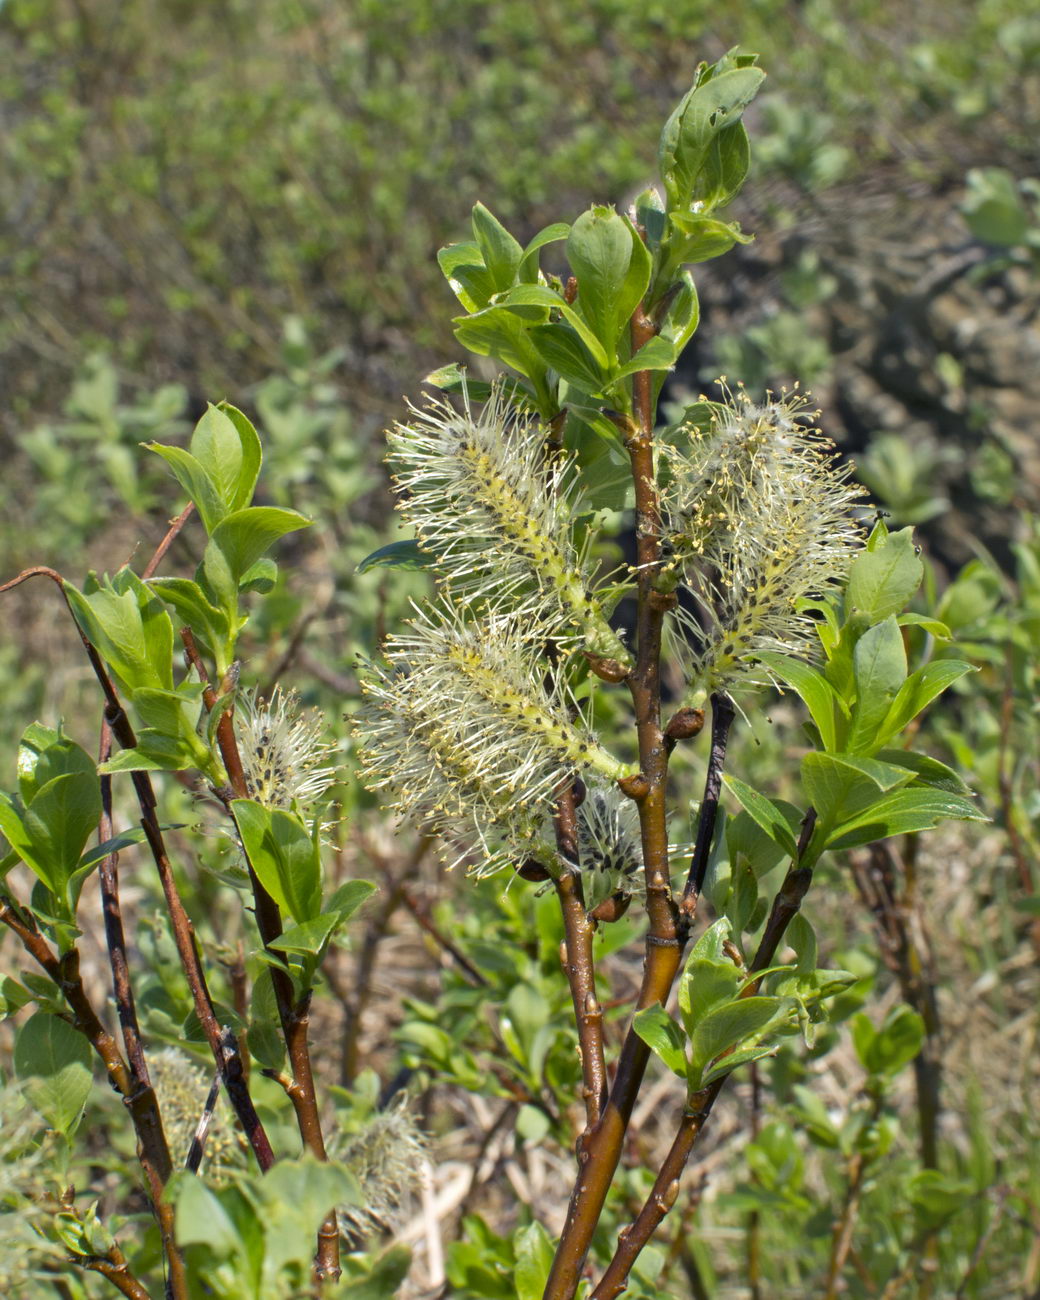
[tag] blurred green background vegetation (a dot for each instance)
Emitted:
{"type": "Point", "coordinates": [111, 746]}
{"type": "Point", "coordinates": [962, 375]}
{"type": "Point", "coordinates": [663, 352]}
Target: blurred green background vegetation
{"type": "Point", "coordinates": [203, 199]}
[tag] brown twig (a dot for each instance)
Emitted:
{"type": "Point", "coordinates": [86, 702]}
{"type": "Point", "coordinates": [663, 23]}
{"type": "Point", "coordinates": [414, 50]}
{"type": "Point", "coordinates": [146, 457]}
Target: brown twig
{"type": "Point", "coordinates": [662, 1196]}
{"type": "Point", "coordinates": [139, 1099]}
{"type": "Point", "coordinates": [577, 960]}
{"type": "Point", "coordinates": [666, 1186]}
{"type": "Point", "coordinates": [114, 1267]}
{"type": "Point", "coordinates": [293, 1012]}
{"type": "Point", "coordinates": [599, 1153]}
{"type": "Point", "coordinates": [152, 1148]}
{"type": "Point", "coordinates": [225, 1054]}
{"type": "Point", "coordinates": [844, 1225]}
{"type": "Point", "coordinates": [903, 946]}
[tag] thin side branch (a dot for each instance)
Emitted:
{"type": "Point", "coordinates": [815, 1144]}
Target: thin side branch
{"type": "Point", "coordinates": [293, 1014]}
{"type": "Point", "coordinates": [578, 965]}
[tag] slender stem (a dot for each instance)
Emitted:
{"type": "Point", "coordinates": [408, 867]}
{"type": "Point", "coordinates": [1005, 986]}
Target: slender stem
{"type": "Point", "coordinates": [138, 1098]}
{"type": "Point", "coordinates": [293, 1012]}
{"type": "Point", "coordinates": [152, 1147]}
{"type": "Point", "coordinates": [578, 966]}
{"type": "Point", "coordinates": [666, 1185]}
{"type": "Point", "coordinates": [841, 1238]}
{"type": "Point", "coordinates": [168, 538]}
{"type": "Point", "coordinates": [662, 1196]}
{"type": "Point", "coordinates": [903, 945]}
{"type": "Point", "coordinates": [723, 711]}
{"type": "Point", "coordinates": [114, 1267]}
{"type": "Point", "coordinates": [600, 1151]}
{"type": "Point", "coordinates": [222, 1046]}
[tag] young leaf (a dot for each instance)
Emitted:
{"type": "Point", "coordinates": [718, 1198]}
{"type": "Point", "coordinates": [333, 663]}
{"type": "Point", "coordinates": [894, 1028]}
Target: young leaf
{"type": "Point", "coordinates": [918, 691]}
{"type": "Point", "coordinates": [825, 705]}
{"type": "Point", "coordinates": [765, 812]}
{"type": "Point", "coordinates": [55, 1060]}
{"type": "Point", "coordinates": [129, 627]}
{"type": "Point", "coordinates": [500, 251]}
{"type": "Point", "coordinates": [284, 856]}
{"type": "Point", "coordinates": [195, 481]}
{"type": "Point", "coordinates": [470, 280]}
{"type": "Point", "coordinates": [879, 670]}
{"type": "Point", "coordinates": [534, 1257]}
{"type": "Point", "coordinates": [900, 813]}
{"type": "Point", "coordinates": [689, 133]}
{"type": "Point", "coordinates": [612, 267]}
{"type": "Point", "coordinates": [398, 555]}
{"type": "Point", "coordinates": [663, 1036]}
{"type": "Point", "coordinates": [736, 1025]}
{"type": "Point", "coordinates": [837, 783]}
{"type": "Point", "coordinates": [882, 579]}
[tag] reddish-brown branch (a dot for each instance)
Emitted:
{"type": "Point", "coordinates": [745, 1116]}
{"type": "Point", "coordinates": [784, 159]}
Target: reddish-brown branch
{"type": "Point", "coordinates": [171, 533]}
{"type": "Point", "coordinates": [152, 1148]}
{"type": "Point", "coordinates": [114, 1267]}
{"type": "Point", "coordinates": [600, 1152]}
{"type": "Point", "coordinates": [293, 1013]}
{"type": "Point", "coordinates": [578, 964]}
{"type": "Point", "coordinates": [666, 1185]}
{"type": "Point", "coordinates": [662, 1196]}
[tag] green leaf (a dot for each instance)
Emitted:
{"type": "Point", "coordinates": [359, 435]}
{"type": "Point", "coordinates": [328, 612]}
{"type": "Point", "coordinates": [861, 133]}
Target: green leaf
{"type": "Point", "coordinates": [928, 770]}
{"type": "Point", "coordinates": [534, 1257]}
{"type": "Point", "coordinates": [209, 624]}
{"type": "Point", "coordinates": [34, 740]}
{"type": "Point", "coordinates": [155, 752]}
{"type": "Point", "coordinates": [309, 938]}
{"type": "Point", "coordinates": [252, 456]}
{"type": "Point", "coordinates": [549, 235]}
{"type": "Point", "coordinates": [725, 167]}
{"type": "Point", "coordinates": [500, 251]}
{"type": "Point", "coordinates": [682, 314]}
{"type": "Point", "coordinates": [51, 832]}
{"type": "Point", "coordinates": [470, 280]}
{"type": "Point", "coordinates": [195, 481]}
{"type": "Point", "coordinates": [735, 1025]}
{"type": "Point", "coordinates": [497, 332]}
{"type": "Point", "coordinates": [201, 1219]}
{"type": "Point", "coordinates": [398, 555]}
{"type": "Point", "coordinates": [702, 238]}
{"type": "Point", "coordinates": [663, 1036]}
{"type": "Point", "coordinates": [612, 267]}
{"type": "Point", "coordinates": [879, 670]}
{"type": "Point", "coordinates": [888, 1049]}
{"type": "Point", "coordinates": [55, 1060]}
{"type": "Point", "coordinates": [900, 813]}
{"type": "Point", "coordinates": [707, 982]}
{"type": "Point", "coordinates": [918, 691]}
{"type": "Point", "coordinates": [560, 346]}
{"type": "Point", "coordinates": [730, 1062]}
{"type": "Point", "coordinates": [244, 536]}
{"type": "Point", "coordinates": [689, 133]}
{"type": "Point", "coordinates": [231, 467]}
{"type": "Point", "coordinates": [534, 302]}
{"type": "Point", "coordinates": [765, 812]}
{"type": "Point", "coordinates": [882, 579]}
{"type": "Point", "coordinates": [296, 1195]}
{"type": "Point", "coordinates": [656, 354]}
{"type": "Point", "coordinates": [348, 897]}
{"type": "Point", "coordinates": [129, 627]}
{"type": "Point", "coordinates": [284, 856]}
{"type": "Point", "coordinates": [847, 783]}
{"type": "Point", "coordinates": [825, 705]}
